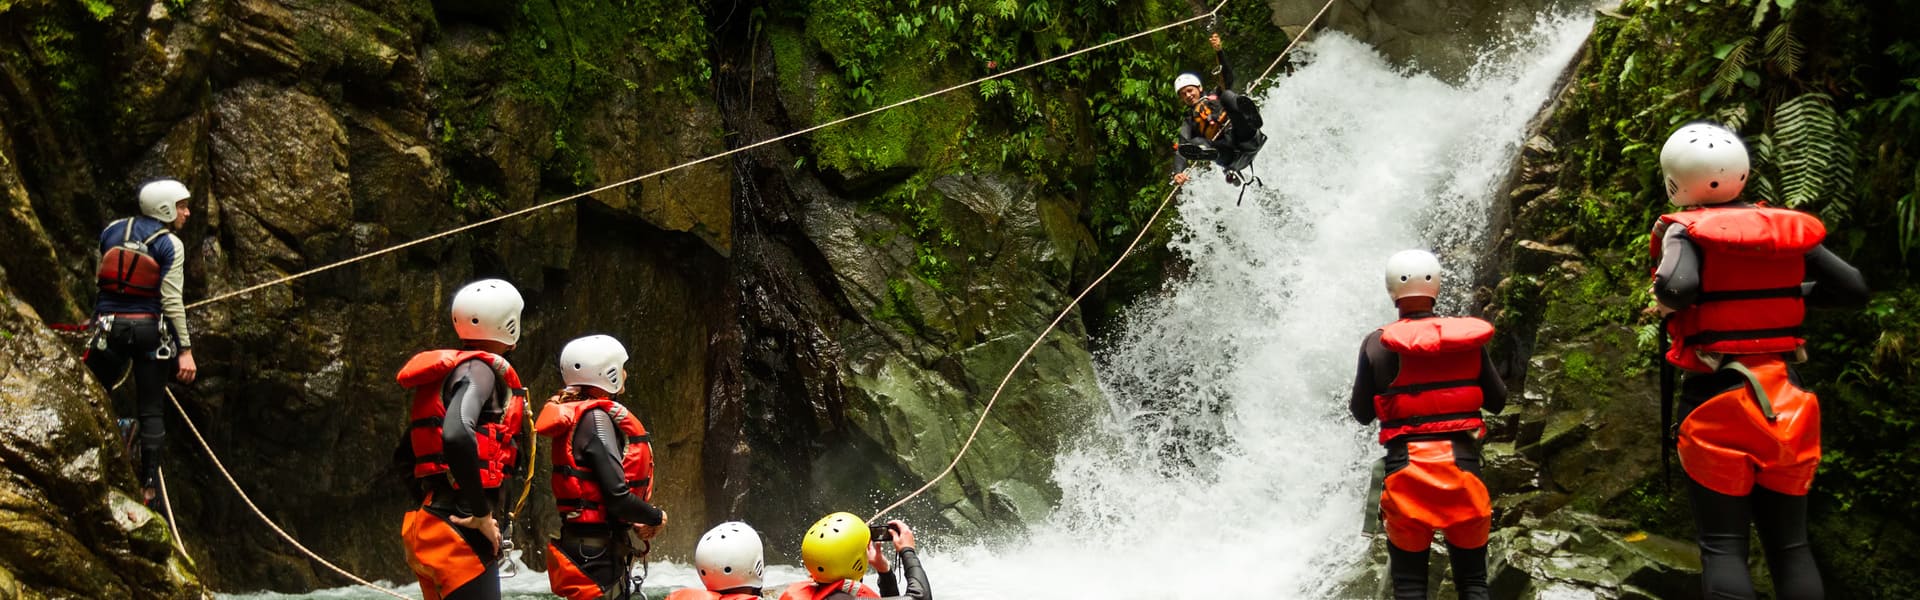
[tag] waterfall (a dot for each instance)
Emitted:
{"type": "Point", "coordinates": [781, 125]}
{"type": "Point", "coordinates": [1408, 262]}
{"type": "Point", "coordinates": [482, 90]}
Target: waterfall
{"type": "Point", "coordinates": [1228, 461]}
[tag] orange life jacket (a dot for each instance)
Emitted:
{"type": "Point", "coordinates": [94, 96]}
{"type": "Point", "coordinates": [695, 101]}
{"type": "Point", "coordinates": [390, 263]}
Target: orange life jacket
{"type": "Point", "coordinates": [575, 492]}
{"type": "Point", "coordinates": [699, 594]}
{"type": "Point", "coordinates": [1438, 387]}
{"type": "Point", "coordinates": [807, 590]}
{"type": "Point", "coordinates": [501, 422]}
{"type": "Point", "coordinates": [129, 268]}
{"type": "Point", "coordinates": [1209, 116]}
{"type": "Point", "coordinates": [1752, 262]}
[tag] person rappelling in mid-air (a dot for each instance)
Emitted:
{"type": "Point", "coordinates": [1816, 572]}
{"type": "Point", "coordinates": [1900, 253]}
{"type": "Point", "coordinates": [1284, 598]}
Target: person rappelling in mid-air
{"type": "Point", "coordinates": [1222, 125]}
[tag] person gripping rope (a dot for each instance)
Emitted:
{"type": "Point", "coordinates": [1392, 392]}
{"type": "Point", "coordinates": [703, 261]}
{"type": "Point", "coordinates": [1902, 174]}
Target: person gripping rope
{"type": "Point", "coordinates": [602, 475]}
{"type": "Point", "coordinates": [1427, 379]}
{"type": "Point", "coordinates": [140, 317]}
{"type": "Point", "coordinates": [462, 440]}
{"type": "Point", "coordinates": [1733, 280]}
{"type": "Point", "coordinates": [731, 561]}
{"type": "Point", "coordinates": [1222, 125]}
{"type": "Point", "coordinates": [837, 551]}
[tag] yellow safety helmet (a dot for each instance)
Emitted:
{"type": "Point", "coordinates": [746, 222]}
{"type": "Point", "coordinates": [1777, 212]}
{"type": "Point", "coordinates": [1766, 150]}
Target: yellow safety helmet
{"type": "Point", "coordinates": [835, 548]}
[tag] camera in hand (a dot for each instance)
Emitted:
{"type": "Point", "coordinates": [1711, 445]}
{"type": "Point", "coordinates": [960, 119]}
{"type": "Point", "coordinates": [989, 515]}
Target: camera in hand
{"type": "Point", "coordinates": [880, 533]}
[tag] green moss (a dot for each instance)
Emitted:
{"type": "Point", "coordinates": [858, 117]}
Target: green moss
{"type": "Point", "coordinates": [899, 309]}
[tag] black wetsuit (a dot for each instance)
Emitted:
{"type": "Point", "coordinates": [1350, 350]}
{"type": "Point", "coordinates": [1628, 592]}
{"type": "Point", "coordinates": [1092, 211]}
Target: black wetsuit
{"type": "Point", "coordinates": [1237, 139]}
{"type": "Point", "coordinates": [1724, 520]}
{"type": "Point", "coordinates": [1376, 372]}
{"type": "Point", "coordinates": [144, 338]}
{"type": "Point", "coordinates": [602, 550]}
{"type": "Point", "coordinates": [474, 395]}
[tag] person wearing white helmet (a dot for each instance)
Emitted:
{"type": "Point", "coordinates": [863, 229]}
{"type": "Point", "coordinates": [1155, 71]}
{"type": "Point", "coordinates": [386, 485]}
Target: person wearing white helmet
{"type": "Point", "coordinates": [462, 441]}
{"type": "Point", "coordinates": [1733, 282]}
{"type": "Point", "coordinates": [1222, 125]}
{"type": "Point", "coordinates": [1428, 379]}
{"type": "Point", "coordinates": [140, 315]}
{"type": "Point", "coordinates": [602, 474]}
{"type": "Point", "coordinates": [731, 561]}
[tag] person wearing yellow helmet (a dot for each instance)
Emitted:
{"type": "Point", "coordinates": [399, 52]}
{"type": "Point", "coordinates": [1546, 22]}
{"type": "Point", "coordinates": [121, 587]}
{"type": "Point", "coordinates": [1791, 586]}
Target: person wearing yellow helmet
{"type": "Point", "coordinates": [837, 551]}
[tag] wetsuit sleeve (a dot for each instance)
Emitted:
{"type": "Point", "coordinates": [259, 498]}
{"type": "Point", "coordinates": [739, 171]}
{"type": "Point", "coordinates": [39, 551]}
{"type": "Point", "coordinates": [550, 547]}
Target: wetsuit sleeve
{"type": "Point", "coordinates": [1677, 281]}
{"type": "Point", "coordinates": [1187, 135]}
{"type": "Point", "coordinates": [889, 585]}
{"type": "Point", "coordinates": [173, 291]}
{"type": "Point", "coordinates": [596, 441]}
{"type": "Point", "coordinates": [469, 388]}
{"type": "Point", "coordinates": [917, 587]}
{"type": "Point", "coordinates": [1361, 403]}
{"type": "Point", "coordinates": [1836, 284]}
{"type": "Point", "coordinates": [1226, 71]}
{"type": "Point", "coordinates": [1493, 390]}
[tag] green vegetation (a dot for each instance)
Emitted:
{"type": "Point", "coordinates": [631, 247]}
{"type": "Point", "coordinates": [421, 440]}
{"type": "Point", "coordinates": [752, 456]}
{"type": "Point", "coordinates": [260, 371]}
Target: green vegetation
{"type": "Point", "coordinates": [1081, 128]}
{"type": "Point", "coordinates": [1827, 94]}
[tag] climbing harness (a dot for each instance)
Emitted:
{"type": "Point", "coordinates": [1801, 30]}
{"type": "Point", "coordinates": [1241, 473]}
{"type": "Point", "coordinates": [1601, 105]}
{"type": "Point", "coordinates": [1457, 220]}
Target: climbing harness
{"type": "Point", "coordinates": [1075, 303]}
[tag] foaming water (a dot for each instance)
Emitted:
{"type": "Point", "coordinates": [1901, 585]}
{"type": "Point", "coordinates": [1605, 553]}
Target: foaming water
{"type": "Point", "coordinates": [1227, 462]}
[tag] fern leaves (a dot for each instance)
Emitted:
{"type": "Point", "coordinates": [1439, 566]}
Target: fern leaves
{"type": "Point", "coordinates": [1813, 152]}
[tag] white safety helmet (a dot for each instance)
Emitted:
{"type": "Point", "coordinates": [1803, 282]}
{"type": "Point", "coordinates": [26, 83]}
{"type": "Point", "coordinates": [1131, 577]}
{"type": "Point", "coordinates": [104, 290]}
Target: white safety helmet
{"type": "Point", "coordinates": [488, 309]}
{"type": "Point", "coordinates": [1184, 80]}
{"type": "Point", "coordinates": [730, 556]}
{"type": "Point", "coordinates": [157, 199]}
{"type": "Point", "coordinates": [596, 360]}
{"type": "Point", "coordinates": [1703, 163]}
{"type": "Point", "coordinates": [1413, 273]}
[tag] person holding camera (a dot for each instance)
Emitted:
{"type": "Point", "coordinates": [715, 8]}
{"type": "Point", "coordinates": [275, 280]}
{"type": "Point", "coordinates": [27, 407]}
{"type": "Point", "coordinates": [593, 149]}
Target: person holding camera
{"type": "Point", "coordinates": [837, 550]}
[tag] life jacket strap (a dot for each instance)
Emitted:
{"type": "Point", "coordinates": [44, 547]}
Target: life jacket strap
{"type": "Point", "coordinates": [1759, 294]}
{"type": "Point", "coordinates": [1425, 419]}
{"type": "Point", "coordinates": [1710, 336]}
{"type": "Point", "coordinates": [426, 422]}
{"type": "Point", "coordinates": [1430, 386]}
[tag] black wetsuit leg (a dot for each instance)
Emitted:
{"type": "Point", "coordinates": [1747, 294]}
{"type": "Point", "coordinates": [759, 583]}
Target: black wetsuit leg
{"type": "Point", "coordinates": [1782, 521]}
{"type": "Point", "coordinates": [1408, 573]}
{"type": "Point", "coordinates": [132, 342]}
{"type": "Point", "coordinates": [1469, 571]}
{"type": "Point", "coordinates": [1724, 522]}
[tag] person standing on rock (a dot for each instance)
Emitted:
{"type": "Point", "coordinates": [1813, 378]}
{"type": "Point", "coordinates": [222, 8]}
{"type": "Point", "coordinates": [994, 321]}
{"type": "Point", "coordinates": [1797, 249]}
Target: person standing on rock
{"type": "Point", "coordinates": [1222, 125]}
{"type": "Point", "coordinates": [731, 561]}
{"type": "Point", "coordinates": [462, 439]}
{"type": "Point", "coordinates": [1427, 379]}
{"type": "Point", "coordinates": [602, 475]}
{"type": "Point", "coordinates": [140, 317]}
{"type": "Point", "coordinates": [836, 552]}
{"type": "Point", "coordinates": [1733, 280]}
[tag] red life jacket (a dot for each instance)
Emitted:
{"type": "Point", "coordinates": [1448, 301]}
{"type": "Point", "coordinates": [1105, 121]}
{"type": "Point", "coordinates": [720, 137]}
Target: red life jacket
{"type": "Point", "coordinates": [574, 489]}
{"type": "Point", "coordinates": [1438, 387]}
{"type": "Point", "coordinates": [699, 594]}
{"type": "Point", "coordinates": [1751, 265]}
{"type": "Point", "coordinates": [502, 419]}
{"type": "Point", "coordinates": [129, 268]}
{"type": "Point", "coordinates": [807, 590]}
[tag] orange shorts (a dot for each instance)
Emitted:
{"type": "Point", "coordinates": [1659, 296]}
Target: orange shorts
{"type": "Point", "coordinates": [568, 580]}
{"type": "Point", "coordinates": [1728, 444]}
{"type": "Point", "coordinates": [440, 555]}
{"type": "Point", "coordinates": [1432, 493]}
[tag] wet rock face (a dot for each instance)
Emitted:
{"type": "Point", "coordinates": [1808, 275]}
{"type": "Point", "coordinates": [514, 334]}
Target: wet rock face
{"type": "Point", "coordinates": [68, 504]}
{"type": "Point", "coordinates": [786, 357]}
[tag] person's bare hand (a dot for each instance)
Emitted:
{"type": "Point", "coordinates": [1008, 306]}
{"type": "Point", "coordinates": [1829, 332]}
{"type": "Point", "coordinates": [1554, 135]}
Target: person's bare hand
{"type": "Point", "coordinates": [902, 534]}
{"type": "Point", "coordinates": [485, 524]}
{"type": "Point", "coordinates": [1180, 179]}
{"type": "Point", "coordinates": [188, 370]}
{"type": "Point", "coordinates": [878, 558]}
